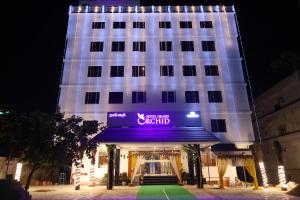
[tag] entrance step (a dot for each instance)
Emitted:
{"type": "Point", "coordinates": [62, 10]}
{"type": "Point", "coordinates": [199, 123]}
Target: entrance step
{"type": "Point", "coordinates": [159, 180]}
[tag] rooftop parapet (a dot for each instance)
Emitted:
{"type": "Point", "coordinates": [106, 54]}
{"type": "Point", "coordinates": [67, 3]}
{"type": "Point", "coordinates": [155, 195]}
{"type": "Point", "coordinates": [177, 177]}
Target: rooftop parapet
{"type": "Point", "coordinates": [149, 9]}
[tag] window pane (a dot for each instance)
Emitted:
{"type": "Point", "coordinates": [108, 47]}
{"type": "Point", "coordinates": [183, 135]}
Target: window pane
{"type": "Point", "coordinates": [218, 125]}
{"type": "Point", "coordinates": [119, 25]}
{"type": "Point", "coordinates": [211, 70]}
{"type": "Point", "coordinates": [117, 71]}
{"type": "Point", "coordinates": [96, 46]}
{"type": "Point", "coordinates": [115, 98]}
{"type": "Point", "coordinates": [92, 97]}
{"type": "Point", "coordinates": [94, 71]}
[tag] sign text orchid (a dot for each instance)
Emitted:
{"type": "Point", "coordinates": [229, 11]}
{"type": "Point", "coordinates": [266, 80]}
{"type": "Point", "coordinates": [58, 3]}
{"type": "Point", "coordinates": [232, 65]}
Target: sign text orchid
{"type": "Point", "coordinates": [153, 119]}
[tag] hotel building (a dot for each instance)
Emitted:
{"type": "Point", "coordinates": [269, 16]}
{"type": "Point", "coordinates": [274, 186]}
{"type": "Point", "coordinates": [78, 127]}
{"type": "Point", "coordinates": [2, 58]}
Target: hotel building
{"type": "Point", "coordinates": [159, 78]}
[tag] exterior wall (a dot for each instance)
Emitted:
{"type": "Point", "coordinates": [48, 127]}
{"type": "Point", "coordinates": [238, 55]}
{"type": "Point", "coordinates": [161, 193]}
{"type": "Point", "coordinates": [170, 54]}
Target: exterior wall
{"type": "Point", "coordinates": [234, 108]}
{"type": "Point", "coordinates": [286, 95]}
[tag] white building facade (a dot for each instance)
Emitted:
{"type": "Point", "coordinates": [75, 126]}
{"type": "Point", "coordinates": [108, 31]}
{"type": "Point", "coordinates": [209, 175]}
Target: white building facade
{"type": "Point", "coordinates": [157, 61]}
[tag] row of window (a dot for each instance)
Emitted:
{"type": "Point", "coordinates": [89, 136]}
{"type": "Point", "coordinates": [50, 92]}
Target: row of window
{"type": "Point", "coordinates": [140, 97]}
{"type": "Point", "coordinates": [97, 46]}
{"type": "Point", "coordinates": [165, 70]}
{"type": "Point", "coordinates": [217, 125]}
{"type": "Point", "coordinates": [161, 24]}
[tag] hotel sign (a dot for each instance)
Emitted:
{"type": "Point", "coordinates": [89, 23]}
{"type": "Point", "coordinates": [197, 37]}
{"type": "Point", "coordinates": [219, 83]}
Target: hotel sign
{"type": "Point", "coordinates": [143, 119]}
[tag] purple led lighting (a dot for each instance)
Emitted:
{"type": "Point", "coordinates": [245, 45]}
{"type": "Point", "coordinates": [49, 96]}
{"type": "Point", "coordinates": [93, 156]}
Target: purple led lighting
{"type": "Point", "coordinates": [153, 119]}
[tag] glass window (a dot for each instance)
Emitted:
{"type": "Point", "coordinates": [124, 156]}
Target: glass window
{"type": "Point", "coordinates": [138, 71]}
{"type": "Point", "coordinates": [211, 70]}
{"type": "Point", "coordinates": [119, 25]}
{"type": "Point", "coordinates": [191, 96]}
{"type": "Point", "coordinates": [92, 97]}
{"type": "Point", "coordinates": [206, 24]}
{"type": "Point", "coordinates": [208, 46]}
{"type": "Point", "coordinates": [96, 46]}
{"type": "Point", "coordinates": [117, 71]}
{"type": "Point", "coordinates": [189, 70]}
{"type": "Point", "coordinates": [168, 97]}
{"type": "Point", "coordinates": [118, 46]}
{"type": "Point", "coordinates": [138, 97]}
{"type": "Point", "coordinates": [185, 24]}
{"type": "Point", "coordinates": [165, 46]}
{"type": "Point", "coordinates": [139, 46]}
{"type": "Point", "coordinates": [115, 98]}
{"type": "Point", "coordinates": [138, 24]}
{"type": "Point", "coordinates": [98, 25]}
{"type": "Point", "coordinates": [94, 71]}
{"type": "Point", "coordinates": [167, 70]}
{"type": "Point", "coordinates": [164, 24]}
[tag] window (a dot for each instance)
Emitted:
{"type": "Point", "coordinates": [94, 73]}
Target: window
{"type": "Point", "coordinates": [138, 71]}
{"type": "Point", "coordinates": [138, 97]}
{"type": "Point", "coordinates": [94, 71]}
{"type": "Point", "coordinates": [187, 46]}
{"type": "Point", "coordinates": [191, 97]}
{"type": "Point", "coordinates": [168, 97]}
{"type": "Point", "coordinates": [211, 70]}
{"type": "Point", "coordinates": [208, 46]}
{"type": "Point", "coordinates": [138, 24]}
{"type": "Point", "coordinates": [118, 46]}
{"type": "Point", "coordinates": [206, 24]}
{"type": "Point", "coordinates": [189, 70]}
{"type": "Point", "coordinates": [214, 96]}
{"type": "Point", "coordinates": [164, 24]}
{"type": "Point", "coordinates": [92, 97]}
{"type": "Point", "coordinates": [166, 46]}
{"type": "Point", "coordinates": [185, 24]}
{"type": "Point", "coordinates": [139, 46]}
{"type": "Point", "coordinates": [103, 159]}
{"type": "Point", "coordinates": [282, 129]}
{"type": "Point", "coordinates": [167, 70]}
{"type": "Point", "coordinates": [96, 46]}
{"type": "Point", "coordinates": [119, 25]}
{"type": "Point", "coordinates": [218, 125]}
{"type": "Point", "coordinates": [115, 98]}
{"type": "Point", "coordinates": [117, 71]}
{"type": "Point", "coordinates": [98, 25]}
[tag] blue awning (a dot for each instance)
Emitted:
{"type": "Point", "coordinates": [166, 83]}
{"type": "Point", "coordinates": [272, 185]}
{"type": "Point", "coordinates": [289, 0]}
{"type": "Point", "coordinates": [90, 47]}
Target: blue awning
{"type": "Point", "coordinates": [156, 135]}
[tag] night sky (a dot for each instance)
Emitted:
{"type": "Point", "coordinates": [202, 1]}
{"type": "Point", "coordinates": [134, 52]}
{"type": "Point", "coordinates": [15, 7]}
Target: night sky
{"type": "Point", "coordinates": [34, 38]}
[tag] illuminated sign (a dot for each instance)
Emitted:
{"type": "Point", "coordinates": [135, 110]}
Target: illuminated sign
{"type": "Point", "coordinates": [18, 171]}
{"type": "Point", "coordinates": [122, 115]}
{"type": "Point", "coordinates": [192, 115]}
{"type": "Point", "coordinates": [153, 119]}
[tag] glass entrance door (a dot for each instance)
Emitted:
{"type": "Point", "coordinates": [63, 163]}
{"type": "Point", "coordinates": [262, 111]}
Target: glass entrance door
{"type": "Point", "coordinates": [157, 167]}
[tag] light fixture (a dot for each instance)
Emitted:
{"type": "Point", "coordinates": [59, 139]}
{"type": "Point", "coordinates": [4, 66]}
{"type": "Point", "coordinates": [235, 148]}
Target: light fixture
{"type": "Point", "coordinates": [263, 174]}
{"type": "Point", "coordinates": [192, 115]}
{"type": "Point", "coordinates": [282, 179]}
{"type": "Point", "coordinates": [18, 171]}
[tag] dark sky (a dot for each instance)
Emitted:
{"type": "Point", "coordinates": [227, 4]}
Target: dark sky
{"type": "Point", "coordinates": [35, 35]}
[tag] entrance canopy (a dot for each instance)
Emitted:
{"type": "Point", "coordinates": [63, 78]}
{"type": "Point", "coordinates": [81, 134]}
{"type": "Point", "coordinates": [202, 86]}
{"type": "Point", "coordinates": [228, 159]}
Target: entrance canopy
{"type": "Point", "coordinates": [180, 135]}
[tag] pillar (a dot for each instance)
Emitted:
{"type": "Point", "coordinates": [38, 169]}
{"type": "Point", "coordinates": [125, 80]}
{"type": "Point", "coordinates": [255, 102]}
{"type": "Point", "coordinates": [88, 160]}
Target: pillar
{"type": "Point", "coordinates": [199, 176]}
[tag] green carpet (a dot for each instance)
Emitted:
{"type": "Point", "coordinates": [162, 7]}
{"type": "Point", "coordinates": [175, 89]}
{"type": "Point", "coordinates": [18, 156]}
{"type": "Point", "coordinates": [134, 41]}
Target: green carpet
{"type": "Point", "coordinates": [164, 192]}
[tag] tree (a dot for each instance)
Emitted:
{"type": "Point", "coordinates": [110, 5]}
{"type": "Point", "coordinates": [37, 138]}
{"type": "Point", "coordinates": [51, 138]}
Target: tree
{"type": "Point", "coordinates": [10, 137]}
{"type": "Point", "coordinates": [75, 138]}
{"type": "Point", "coordinates": [56, 141]}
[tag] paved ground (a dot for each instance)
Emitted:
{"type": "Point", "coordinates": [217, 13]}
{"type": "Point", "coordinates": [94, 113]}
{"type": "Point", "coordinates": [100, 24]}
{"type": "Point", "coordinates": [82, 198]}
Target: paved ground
{"type": "Point", "coordinates": [67, 192]}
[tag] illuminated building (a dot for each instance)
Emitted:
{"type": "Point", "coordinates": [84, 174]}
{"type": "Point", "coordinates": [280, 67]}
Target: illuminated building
{"type": "Point", "coordinates": [158, 77]}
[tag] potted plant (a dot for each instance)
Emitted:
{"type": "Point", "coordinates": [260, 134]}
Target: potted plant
{"type": "Point", "coordinates": [184, 176]}
{"type": "Point", "coordinates": [124, 178]}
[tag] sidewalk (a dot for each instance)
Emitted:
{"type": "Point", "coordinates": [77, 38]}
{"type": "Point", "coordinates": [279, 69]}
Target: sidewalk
{"type": "Point", "coordinates": [67, 192]}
